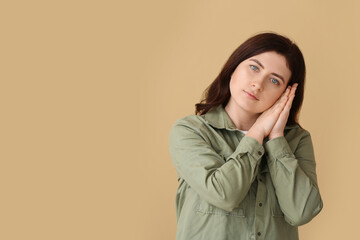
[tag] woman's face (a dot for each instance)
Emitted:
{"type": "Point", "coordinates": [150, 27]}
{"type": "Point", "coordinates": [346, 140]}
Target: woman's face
{"type": "Point", "coordinates": [259, 81]}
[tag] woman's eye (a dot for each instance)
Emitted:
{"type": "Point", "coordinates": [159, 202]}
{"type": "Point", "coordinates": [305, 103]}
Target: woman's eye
{"type": "Point", "coordinates": [254, 68]}
{"type": "Point", "coordinates": [273, 80]}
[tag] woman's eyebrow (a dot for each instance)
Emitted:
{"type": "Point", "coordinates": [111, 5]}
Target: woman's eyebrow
{"type": "Point", "coordinates": [275, 74]}
{"type": "Point", "coordinates": [254, 60]}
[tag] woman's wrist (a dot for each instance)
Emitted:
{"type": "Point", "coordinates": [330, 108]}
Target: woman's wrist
{"type": "Point", "coordinates": [256, 135]}
{"type": "Point", "coordinates": [275, 135]}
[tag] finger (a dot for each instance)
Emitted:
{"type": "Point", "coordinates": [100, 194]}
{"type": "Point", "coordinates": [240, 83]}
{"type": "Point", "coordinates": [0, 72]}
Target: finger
{"type": "Point", "coordinates": [289, 103]}
{"type": "Point", "coordinates": [292, 93]}
{"type": "Point", "coordinates": [295, 85]}
{"type": "Point", "coordinates": [290, 100]}
{"type": "Point", "coordinates": [286, 99]}
{"type": "Point", "coordinates": [283, 97]}
{"type": "Point", "coordinates": [287, 91]}
{"type": "Point", "coordinates": [280, 103]}
{"type": "Point", "coordinates": [293, 89]}
{"type": "Point", "coordinates": [285, 112]}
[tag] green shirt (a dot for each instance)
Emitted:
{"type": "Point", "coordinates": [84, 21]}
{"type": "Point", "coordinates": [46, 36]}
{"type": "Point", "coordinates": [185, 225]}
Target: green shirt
{"type": "Point", "coordinates": [231, 187]}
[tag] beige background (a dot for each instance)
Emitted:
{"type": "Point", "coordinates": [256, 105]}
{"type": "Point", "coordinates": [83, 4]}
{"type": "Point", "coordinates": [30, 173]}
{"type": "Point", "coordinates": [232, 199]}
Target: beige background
{"type": "Point", "coordinates": [90, 89]}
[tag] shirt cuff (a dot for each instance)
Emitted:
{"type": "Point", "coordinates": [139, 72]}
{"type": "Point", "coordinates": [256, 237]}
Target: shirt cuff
{"type": "Point", "coordinates": [278, 148]}
{"type": "Point", "coordinates": [249, 145]}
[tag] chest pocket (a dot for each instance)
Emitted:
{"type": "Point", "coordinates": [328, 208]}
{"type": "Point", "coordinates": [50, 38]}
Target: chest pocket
{"type": "Point", "coordinates": [207, 208]}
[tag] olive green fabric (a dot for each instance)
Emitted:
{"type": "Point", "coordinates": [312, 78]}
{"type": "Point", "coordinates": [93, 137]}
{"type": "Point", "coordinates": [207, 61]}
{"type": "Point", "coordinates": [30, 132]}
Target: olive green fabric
{"type": "Point", "coordinates": [231, 187]}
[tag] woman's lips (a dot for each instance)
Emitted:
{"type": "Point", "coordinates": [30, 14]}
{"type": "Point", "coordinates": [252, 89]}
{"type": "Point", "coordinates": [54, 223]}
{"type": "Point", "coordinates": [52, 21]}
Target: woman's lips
{"type": "Point", "coordinates": [251, 96]}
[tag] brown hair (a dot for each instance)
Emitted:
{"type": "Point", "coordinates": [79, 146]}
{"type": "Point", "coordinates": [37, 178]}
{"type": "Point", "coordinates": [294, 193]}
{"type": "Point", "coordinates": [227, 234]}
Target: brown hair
{"type": "Point", "coordinates": [219, 91]}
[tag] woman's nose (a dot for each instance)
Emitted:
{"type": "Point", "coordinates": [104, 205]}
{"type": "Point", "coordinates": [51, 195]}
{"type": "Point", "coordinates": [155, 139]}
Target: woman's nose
{"type": "Point", "coordinates": [257, 84]}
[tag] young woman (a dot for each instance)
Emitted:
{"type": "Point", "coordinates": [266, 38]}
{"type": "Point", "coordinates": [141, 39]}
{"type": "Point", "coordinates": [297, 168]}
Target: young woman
{"type": "Point", "coordinates": [246, 167]}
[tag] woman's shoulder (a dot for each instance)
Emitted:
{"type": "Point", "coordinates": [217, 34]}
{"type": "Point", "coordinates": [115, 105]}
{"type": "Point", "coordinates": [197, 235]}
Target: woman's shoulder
{"type": "Point", "coordinates": [295, 130]}
{"type": "Point", "coordinates": [188, 127]}
{"type": "Point", "coordinates": [190, 121]}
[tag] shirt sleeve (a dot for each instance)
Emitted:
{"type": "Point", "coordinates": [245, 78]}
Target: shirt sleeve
{"type": "Point", "coordinates": [294, 179]}
{"type": "Point", "coordinates": [222, 184]}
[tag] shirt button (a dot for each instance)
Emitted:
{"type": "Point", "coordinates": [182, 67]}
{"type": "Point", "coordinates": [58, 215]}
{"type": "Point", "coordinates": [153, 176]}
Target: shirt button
{"type": "Point", "coordinates": [259, 152]}
{"type": "Point", "coordinates": [259, 233]}
{"type": "Point", "coordinates": [260, 204]}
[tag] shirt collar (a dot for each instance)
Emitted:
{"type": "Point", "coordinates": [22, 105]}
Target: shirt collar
{"type": "Point", "coordinates": [218, 118]}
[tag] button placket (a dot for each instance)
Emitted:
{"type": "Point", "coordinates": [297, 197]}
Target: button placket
{"type": "Point", "coordinates": [259, 210]}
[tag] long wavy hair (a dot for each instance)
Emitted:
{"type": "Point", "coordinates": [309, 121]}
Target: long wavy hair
{"type": "Point", "coordinates": [218, 92]}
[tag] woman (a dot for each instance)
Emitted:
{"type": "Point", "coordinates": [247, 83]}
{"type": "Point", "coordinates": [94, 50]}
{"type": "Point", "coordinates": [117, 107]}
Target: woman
{"type": "Point", "coordinates": [246, 168]}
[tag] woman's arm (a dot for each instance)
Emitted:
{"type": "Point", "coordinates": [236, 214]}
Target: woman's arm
{"type": "Point", "coordinates": [293, 174]}
{"type": "Point", "coordinates": [223, 185]}
{"type": "Point", "coordinates": [294, 179]}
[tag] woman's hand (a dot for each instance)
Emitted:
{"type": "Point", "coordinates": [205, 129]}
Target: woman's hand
{"type": "Point", "coordinates": [272, 121]}
{"type": "Point", "coordinates": [278, 129]}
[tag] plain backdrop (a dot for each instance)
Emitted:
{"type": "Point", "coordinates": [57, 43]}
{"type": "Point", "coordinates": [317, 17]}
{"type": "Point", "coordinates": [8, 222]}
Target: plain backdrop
{"type": "Point", "coordinates": [90, 90]}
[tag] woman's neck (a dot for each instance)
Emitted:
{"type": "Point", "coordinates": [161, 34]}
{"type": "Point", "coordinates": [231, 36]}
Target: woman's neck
{"type": "Point", "coordinates": [243, 120]}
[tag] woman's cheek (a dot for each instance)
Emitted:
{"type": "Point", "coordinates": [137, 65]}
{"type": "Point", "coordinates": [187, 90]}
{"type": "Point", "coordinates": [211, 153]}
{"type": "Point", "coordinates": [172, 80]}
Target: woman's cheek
{"type": "Point", "coordinates": [272, 101]}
